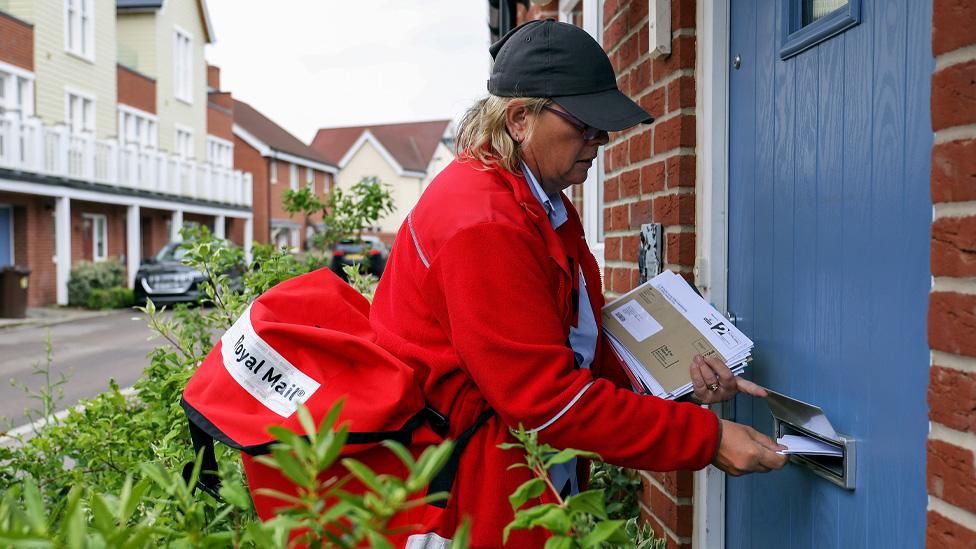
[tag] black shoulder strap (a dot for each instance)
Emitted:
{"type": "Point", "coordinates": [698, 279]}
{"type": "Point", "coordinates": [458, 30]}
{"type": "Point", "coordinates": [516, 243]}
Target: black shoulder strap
{"type": "Point", "coordinates": [444, 480]}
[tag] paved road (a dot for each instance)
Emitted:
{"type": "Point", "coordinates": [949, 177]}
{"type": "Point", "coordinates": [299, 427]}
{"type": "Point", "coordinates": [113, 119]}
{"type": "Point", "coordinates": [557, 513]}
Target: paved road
{"type": "Point", "coordinates": [89, 352]}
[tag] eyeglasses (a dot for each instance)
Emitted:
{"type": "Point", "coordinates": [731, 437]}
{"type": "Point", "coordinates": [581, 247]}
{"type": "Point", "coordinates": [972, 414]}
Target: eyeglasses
{"type": "Point", "coordinates": [589, 132]}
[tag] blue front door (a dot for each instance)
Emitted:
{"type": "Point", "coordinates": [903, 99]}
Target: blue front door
{"type": "Point", "coordinates": [829, 215]}
{"type": "Point", "coordinates": [6, 236]}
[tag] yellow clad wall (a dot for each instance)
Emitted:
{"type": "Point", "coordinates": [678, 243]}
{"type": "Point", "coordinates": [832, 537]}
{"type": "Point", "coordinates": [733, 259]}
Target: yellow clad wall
{"type": "Point", "coordinates": [405, 190]}
{"type": "Point", "coordinates": [147, 40]}
{"type": "Point", "coordinates": [172, 111]}
{"type": "Point", "coordinates": [137, 41]}
{"type": "Point", "coordinates": [55, 69]}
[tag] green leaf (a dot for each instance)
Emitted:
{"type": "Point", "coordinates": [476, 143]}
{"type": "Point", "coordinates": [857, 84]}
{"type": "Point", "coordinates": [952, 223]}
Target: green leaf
{"type": "Point", "coordinates": [102, 514]}
{"type": "Point", "coordinates": [590, 502]}
{"type": "Point", "coordinates": [462, 536]}
{"type": "Point", "coordinates": [565, 455]}
{"type": "Point", "coordinates": [290, 467]}
{"type": "Point", "coordinates": [364, 474]}
{"type": "Point", "coordinates": [306, 421]}
{"type": "Point", "coordinates": [559, 542]}
{"type": "Point", "coordinates": [73, 523]}
{"type": "Point", "coordinates": [36, 516]}
{"type": "Point", "coordinates": [604, 531]}
{"type": "Point", "coordinates": [530, 489]}
{"type": "Point", "coordinates": [555, 519]}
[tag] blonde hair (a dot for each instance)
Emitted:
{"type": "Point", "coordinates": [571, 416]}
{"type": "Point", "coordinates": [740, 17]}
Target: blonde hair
{"type": "Point", "coordinates": [483, 133]}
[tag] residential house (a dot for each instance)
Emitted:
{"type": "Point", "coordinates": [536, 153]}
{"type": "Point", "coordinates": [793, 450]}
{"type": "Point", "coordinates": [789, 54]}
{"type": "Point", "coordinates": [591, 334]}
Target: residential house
{"type": "Point", "coordinates": [279, 161]}
{"type": "Point", "coordinates": [405, 156]}
{"type": "Point", "coordinates": [90, 154]}
{"type": "Point", "coordinates": [811, 168]}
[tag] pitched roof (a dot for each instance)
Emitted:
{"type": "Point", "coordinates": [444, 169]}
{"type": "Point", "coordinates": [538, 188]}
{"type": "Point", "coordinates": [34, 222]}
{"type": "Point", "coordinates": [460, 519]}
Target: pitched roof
{"type": "Point", "coordinates": [152, 5]}
{"type": "Point", "coordinates": [411, 144]}
{"type": "Point", "coordinates": [271, 134]}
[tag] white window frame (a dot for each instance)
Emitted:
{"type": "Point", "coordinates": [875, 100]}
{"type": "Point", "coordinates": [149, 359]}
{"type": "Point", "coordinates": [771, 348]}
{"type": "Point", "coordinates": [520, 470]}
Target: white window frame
{"type": "Point", "coordinates": [185, 149]}
{"type": "Point", "coordinates": [79, 28]}
{"type": "Point", "coordinates": [146, 124]}
{"type": "Point", "coordinates": [293, 176]}
{"type": "Point", "coordinates": [593, 187]}
{"type": "Point", "coordinates": [88, 103]}
{"type": "Point", "coordinates": [310, 178]}
{"type": "Point", "coordinates": [182, 65]}
{"type": "Point", "coordinates": [17, 93]}
{"type": "Point", "coordinates": [274, 171]}
{"type": "Point", "coordinates": [95, 219]}
{"type": "Point", "coordinates": [220, 152]}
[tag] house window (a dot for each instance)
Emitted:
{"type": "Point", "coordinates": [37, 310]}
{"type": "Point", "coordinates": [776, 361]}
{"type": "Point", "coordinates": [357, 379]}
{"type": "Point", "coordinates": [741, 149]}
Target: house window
{"type": "Point", "coordinates": [184, 143]}
{"type": "Point", "coordinates": [293, 179]}
{"type": "Point", "coordinates": [16, 91]}
{"type": "Point", "coordinates": [806, 23]}
{"type": "Point", "coordinates": [310, 179]}
{"type": "Point", "coordinates": [183, 66]}
{"type": "Point", "coordinates": [138, 128]}
{"type": "Point", "coordinates": [98, 225]}
{"type": "Point", "coordinates": [79, 112]}
{"type": "Point", "coordinates": [274, 171]}
{"type": "Point", "coordinates": [79, 32]}
{"type": "Point", "coordinates": [814, 10]}
{"type": "Point", "coordinates": [220, 152]}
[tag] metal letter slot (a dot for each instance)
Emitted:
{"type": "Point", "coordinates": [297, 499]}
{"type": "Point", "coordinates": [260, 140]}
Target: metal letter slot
{"type": "Point", "coordinates": [793, 417]}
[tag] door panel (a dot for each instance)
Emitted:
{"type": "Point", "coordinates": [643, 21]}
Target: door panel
{"type": "Point", "coordinates": [829, 215]}
{"type": "Point", "coordinates": [6, 236]}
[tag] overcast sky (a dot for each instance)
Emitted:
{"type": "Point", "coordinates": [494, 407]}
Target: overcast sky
{"type": "Point", "coordinates": [308, 64]}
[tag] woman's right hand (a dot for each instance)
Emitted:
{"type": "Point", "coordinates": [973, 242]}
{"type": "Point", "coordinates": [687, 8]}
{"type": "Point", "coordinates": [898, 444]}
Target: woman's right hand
{"type": "Point", "coordinates": [745, 450]}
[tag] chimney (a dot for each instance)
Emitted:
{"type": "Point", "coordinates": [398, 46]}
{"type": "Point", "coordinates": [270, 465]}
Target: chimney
{"type": "Point", "coordinates": [213, 78]}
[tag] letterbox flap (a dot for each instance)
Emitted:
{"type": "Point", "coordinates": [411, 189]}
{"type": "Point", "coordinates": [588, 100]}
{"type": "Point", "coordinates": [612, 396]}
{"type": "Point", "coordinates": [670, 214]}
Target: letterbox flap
{"type": "Point", "coordinates": [801, 414]}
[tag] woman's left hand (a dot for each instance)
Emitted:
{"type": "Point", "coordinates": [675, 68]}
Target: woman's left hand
{"type": "Point", "coordinates": [714, 382]}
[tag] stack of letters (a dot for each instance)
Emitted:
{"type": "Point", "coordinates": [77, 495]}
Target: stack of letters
{"type": "Point", "coordinates": [658, 327]}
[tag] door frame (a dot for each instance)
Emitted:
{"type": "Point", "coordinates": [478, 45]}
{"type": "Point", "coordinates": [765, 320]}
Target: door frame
{"type": "Point", "coordinates": [712, 225]}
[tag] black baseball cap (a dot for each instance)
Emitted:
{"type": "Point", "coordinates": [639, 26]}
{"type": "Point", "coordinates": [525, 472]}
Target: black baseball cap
{"type": "Point", "coordinates": [546, 58]}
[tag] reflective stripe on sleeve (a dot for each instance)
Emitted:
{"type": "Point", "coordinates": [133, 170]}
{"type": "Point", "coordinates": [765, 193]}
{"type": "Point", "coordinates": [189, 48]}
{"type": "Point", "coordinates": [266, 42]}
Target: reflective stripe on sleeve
{"type": "Point", "coordinates": [416, 243]}
{"type": "Point", "coordinates": [429, 540]}
{"type": "Point", "coordinates": [563, 411]}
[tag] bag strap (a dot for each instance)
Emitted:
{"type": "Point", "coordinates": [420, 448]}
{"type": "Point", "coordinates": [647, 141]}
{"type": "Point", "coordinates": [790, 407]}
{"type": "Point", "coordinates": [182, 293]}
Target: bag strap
{"type": "Point", "coordinates": [208, 481]}
{"type": "Point", "coordinates": [444, 480]}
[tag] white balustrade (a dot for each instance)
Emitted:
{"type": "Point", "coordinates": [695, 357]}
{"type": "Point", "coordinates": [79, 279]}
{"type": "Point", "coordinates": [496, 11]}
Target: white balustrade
{"type": "Point", "coordinates": [30, 146]}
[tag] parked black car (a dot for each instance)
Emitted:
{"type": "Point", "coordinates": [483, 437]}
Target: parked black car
{"type": "Point", "coordinates": [369, 250]}
{"type": "Point", "coordinates": [166, 280]}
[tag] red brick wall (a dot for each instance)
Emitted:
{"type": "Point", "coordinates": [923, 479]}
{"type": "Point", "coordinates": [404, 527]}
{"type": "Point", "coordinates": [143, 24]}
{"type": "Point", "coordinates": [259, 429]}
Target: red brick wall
{"type": "Point", "coordinates": [34, 244]}
{"type": "Point", "coordinates": [16, 42]}
{"type": "Point", "coordinates": [952, 303]}
{"type": "Point", "coordinates": [154, 229]}
{"type": "Point", "coordinates": [248, 159]}
{"type": "Point", "coordinates": [199, 219]}
{"type": "Point", "coordinates": [650, 178]}
{"type": "Point", "coordinates": [115, 220]}
{"type": "Point", "coordinates": [220, 118]}
{"type": "Point", "coordinates": [135, 89]}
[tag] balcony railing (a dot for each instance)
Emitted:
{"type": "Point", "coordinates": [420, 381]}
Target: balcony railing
{"type": "Point", "coordinates": [30, 146]}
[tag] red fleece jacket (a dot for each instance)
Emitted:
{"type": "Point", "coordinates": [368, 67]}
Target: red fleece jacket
{"type": "Point", "coordinates": [477, 296]}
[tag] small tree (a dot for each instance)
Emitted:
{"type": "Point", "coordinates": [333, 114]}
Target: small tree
{"type": "Point", "coordinates": [344, 213]}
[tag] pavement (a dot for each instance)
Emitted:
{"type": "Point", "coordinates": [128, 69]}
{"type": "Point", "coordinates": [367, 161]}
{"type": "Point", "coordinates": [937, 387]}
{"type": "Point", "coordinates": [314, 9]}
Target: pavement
{"type": "Point", "coordinates": [89, 348]}
{"type": "Point", "coordinates": [49, 316]}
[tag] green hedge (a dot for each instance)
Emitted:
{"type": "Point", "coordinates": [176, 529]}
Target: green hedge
{"type": "Point", "coordinates": [112, 298]}
{"type": "Point", "coordinates": [87, 276]}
